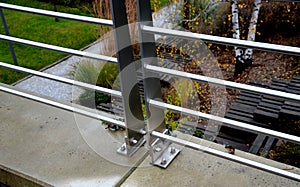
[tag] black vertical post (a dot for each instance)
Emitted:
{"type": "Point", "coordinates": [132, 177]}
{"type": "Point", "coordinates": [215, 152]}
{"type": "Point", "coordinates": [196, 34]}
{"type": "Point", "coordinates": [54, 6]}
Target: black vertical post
{"type": "Point", "coordinates": [7, 33]}
{"type": "Point", "coordinates": [128, 78]}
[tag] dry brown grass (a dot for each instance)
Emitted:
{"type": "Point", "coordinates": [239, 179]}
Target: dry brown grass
{"type": "Point", "coordinates": [102, 10]}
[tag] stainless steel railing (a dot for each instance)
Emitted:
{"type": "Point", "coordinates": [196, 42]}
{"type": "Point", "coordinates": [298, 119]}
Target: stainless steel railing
{"type": "Point", "coordinates": [62, 79]}
{"type": "Point", "coordinates": [61, 105]}
{"type": "Point", "coordinates": [147, 32]}
{"type": "Point", "coordinates": [123, 58]}
{"type": "Point", "coordinates": [219, 82]}
{"type": "Point", "coordinates": [63, 50]}
{"type": "Point", "coordinates": [227, 156]}
{"type": "Point", "coordinates": [58, 14]}
{"type": "Point", "coordinates": [223, 40]}
{"type": "Point", "coordinates": [59, 49]}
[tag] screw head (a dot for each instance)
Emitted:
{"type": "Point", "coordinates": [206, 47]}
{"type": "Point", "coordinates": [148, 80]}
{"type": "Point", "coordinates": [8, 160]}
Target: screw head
{"type": "Point", "coordinates": [157, 149]}
{"type": "Point", "coordinates": [163, 161]}
{"type": "Point", "coordinates": [123, 148]}
{"type": "Point", "coordinates": [133, 141]}
{"type": "Point", "coordinates": [173, 150]}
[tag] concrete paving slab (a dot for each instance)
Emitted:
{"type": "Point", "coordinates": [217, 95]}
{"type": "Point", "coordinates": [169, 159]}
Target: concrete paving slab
{"type": "Point", "coordinates": [47, 144]}
{"type": "Point", "coordinates": [196, 168]}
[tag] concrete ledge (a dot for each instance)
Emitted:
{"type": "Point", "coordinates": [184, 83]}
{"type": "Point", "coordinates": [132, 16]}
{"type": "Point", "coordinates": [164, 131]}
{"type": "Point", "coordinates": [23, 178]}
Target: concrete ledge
{"type": "Point", "coordinates": [195, 168]}
{"type": "Point", "coordinates": [41, 145]}
{"type": "Point", "coordinates": [59, 148]}
{"type": "Point", "coordinates": [14, 178]}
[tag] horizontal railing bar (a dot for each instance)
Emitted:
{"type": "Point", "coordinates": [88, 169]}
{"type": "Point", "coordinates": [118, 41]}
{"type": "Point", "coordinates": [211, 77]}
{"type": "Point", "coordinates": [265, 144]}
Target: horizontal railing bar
{"type": "Point", "coordinates": [58, 14]}
{"type": "Point", "coordinates": [59, 49]}
{"type": "Point", "coordinates": [62, 79]}
{"type": "Point", "coordinates": [287, 1]}
{"type": "Point", "coordinates": [228, 156]}
{"type": "Point", "coordinates": [223, 40]}
{"type": "Point", "coordinates": [220, 82]}
{"type": "Point", "coordinates": [62, 106]}
{"type": "Point", "coordinates": [268, 1]}
{"type": "Point", "coordinates": [225, 121]}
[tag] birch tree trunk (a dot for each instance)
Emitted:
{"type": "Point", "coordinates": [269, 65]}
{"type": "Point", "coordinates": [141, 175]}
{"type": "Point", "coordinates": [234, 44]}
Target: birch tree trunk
{"type": "Point", "coordinates": [239, 62]}
{"type": "Point", "coordinates": [244, 58]}
{"type": "Point", "coordinates": [252, 31]}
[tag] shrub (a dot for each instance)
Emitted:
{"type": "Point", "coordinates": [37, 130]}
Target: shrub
{"type": "Point", "coordinates": [278, 18]}
{"type": "Point", "coordinates": [86, 71]}
{"type": "Point", "coordinates": [171, 96]}
{"type": "Point", "coordinates": [100, 75]}
{"type": "Point", "coordinates": [108, 75]}
{"type": "Point", "coordinates": [287, 153]}
{"type": "Point", "coordinates": [207, 17]}
{"type": "Point", "coordinates": [92, 99]}
{"type": "Point", "coordinates": [157, 4]}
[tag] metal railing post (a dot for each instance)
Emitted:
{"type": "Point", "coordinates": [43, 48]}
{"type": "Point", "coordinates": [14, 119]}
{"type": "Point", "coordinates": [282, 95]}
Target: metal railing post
{"type": "Point", "coordinates": [160, 151]}
{"type": "Point", "coordinates": [7, 33]}
{"type": "Point", "coordinates": [128, 79]}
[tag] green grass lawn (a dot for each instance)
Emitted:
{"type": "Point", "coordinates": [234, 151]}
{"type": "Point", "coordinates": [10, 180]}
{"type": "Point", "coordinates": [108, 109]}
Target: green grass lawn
{"type": "Point", "coordinates": [156, 4]}
{"type": "Point", "coordinates": [83, 9]}
{"type": "Point", "coordinates": [65, 33]}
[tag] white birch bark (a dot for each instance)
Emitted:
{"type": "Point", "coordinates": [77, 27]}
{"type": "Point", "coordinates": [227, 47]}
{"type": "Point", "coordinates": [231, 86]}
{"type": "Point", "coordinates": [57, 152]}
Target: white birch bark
{"type": "Point", "coordinates": [252, 29]}
{"type": "Point", "coordinates": [235, 19]}
{"type": "Point", "coordinates": [236, 29]}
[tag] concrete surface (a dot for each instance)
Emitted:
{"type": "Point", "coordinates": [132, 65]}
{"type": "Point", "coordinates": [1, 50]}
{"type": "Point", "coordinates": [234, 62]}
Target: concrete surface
{"type": "Point", "coordinates": [46, 144]}
{"type": "Point", "coordinates": [196, 168]}
{"type": "Point", "coordinates": [14, 178]}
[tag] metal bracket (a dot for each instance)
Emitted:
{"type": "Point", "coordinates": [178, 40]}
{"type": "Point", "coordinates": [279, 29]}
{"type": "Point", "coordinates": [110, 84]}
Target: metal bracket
{"type": "Point", "coordinates": [163, 153]}
{"type": "Point", "coordinates": [133, 113]}
{"type": "Point", "coordinates": [130, 146]}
